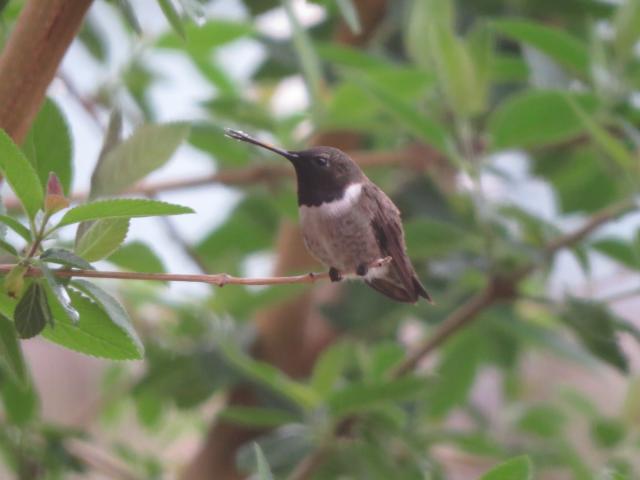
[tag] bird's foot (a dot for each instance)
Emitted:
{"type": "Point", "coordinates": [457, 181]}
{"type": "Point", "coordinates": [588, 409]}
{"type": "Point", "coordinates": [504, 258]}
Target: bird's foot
{"type": "Point", "coordinates": [362, 269]}
{"type": "Point", "coordinates": [334, 274]}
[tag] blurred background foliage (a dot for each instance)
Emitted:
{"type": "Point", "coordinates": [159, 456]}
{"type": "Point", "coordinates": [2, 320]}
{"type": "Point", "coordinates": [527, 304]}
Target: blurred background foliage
{"type": "Point", "coordinates": [501, 125]}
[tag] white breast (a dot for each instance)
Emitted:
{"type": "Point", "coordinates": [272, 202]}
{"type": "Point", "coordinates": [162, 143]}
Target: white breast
{"type": "Point", "coordinates": [336, 207]}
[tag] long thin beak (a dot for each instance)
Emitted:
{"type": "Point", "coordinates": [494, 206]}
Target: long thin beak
{"type": "Point", "coordinates": [243, 137]}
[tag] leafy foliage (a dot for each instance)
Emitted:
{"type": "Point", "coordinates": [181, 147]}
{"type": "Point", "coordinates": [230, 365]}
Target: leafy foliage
{"type": "Point", "coordinates": [496, 127]}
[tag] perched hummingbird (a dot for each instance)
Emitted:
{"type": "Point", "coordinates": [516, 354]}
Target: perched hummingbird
{"type": "Point", "coordinates": [348, 223]}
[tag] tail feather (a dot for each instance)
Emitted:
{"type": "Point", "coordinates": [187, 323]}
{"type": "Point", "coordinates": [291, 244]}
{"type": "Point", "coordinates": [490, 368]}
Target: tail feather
{"type": "Point", "coordinates": [397, 291]}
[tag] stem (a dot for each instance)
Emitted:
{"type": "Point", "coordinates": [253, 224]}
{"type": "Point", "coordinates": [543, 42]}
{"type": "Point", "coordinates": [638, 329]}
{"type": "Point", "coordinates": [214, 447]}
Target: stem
{"type": "Point", "coordinates": [40, 235]}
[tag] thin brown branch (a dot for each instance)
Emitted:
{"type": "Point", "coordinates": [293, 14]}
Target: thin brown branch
{"type": "Point", "coordinates": [218, 279]}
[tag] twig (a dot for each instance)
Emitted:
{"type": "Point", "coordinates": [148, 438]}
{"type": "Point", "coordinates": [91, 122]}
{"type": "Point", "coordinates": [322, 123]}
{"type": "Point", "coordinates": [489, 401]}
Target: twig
{"type": "Point", "coordinates": [219, 279]}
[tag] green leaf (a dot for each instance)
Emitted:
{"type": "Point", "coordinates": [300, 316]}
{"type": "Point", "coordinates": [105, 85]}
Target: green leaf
{"type": "Point", "coordinates": [626, 23]}
{"type": "Point", "coordinates": [608, 432]}
{"type": "Point", "coordinates": [627, 253]}
{"type": "Point", "coordinates": [138, 257]}
{"type": "Point", "coordinates": [203, 39]}
{"type": "Point", "coordinates": [357, 397]}
{"type": "Point", "coordinates": [20, 403]}
{"type": "Point", "coordinates": [257, 416]}
{"type": "Point", "coordinates": [16, 226]}
{"type": "Point", "coordinates": [424, 14]}
{"type": "Point", "coordinates": [32, 312]}
{"type": "Point", "coordinates": [581, 180]}
{"type": "Point", "coordinates": [518, 468]}
{"type": "Point", "coordinates": [350, 15]}
{"type": "Point", "coordinates": [10, 249]}
{"type": "Point", "coordinates": [48, 145]}
{"type": "Point", "coordinates": [559, 45]}
{"type": "Point", "coordinates": [264, 472]}
{"type": "Point", "coordinates": [419, 124]}
{"type": "Point", "coordinates": [456, 373]}
{"type": "Point", "coordinates": [21, 175]}
{"type": "Point", "coordinates": [307, 58]}
{"type": "Point", "coordinates": [329, 367]}
{"type": "Point", "coordinates": [11, 352]}
{"type": "Point", "coordinates": [173, 17]}
{"type": "Point", "coordinates": [595, 326]}
{"type": "Point", "coordinates": [57, 294]}
{"type": "Point", "coordinates": [121, 208]}
{"type": "Point", "coordinates": [150, 147]}
{"type": "Point", "coordinates": [268, 375]}
{"type": "Point", "coordinates": [116, 312]}
{"type": "Point", "coordinates": [455, 70]}
{"type": "Point", "coordinates": [609, 144]}
{"type": "Point", "coordinates": [96, 334]}
{"type": "Point", "coordinates": [543, 420]}
{"type": "Point", "coordinates": [535, 118]}
{"type": "Point", "coordinates": [66, 258]}
{"type": "Point", "coordinates": [102, 238]}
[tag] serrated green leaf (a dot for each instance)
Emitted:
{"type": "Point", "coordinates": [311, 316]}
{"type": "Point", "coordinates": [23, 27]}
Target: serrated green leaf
{"type": "Point", "coordinates": [559, 45]}
{"type": "Point", "coordinates": [535, 118]}
{"type": "Point", "coordinates": [357, 397]}
{"type": "Point", "coordinates": [595, 326]}
{"type": "Point", "coordinates": [102, 238]}
{"type": "Point", "coordinates": [48, 145]}
{"type": "Point", "coordinates": [57, 294]}
{"type": "Point", "coordinates": [96, 334]}
{"type": "Point", "coordinates": [173, 17]}
{"type": "Point", "coordinates": [121, 208]}
{"type": "Point", "coordinates": [518, 468]}
{"type": "Point", "coordinates": [257, 416]}
{"type": "Point", "coordinates": [150, 147]}
{"type": "Point", "coordinates": [10, 350]}
{"type": "Point", "coordinates": [264, 472]}
{"type": "Point", "coordinates": [32, 312]}
{"type": "Point", "coordinates": [138, 257]}
{"type": "Point", "coordinates": [16, 226]}
{"type": "Point", "coordinates": [21, 175]}
{"type": "Point", "coordinates": [66, 258]}
{"type": "Point", "coordinates": [116, 312]}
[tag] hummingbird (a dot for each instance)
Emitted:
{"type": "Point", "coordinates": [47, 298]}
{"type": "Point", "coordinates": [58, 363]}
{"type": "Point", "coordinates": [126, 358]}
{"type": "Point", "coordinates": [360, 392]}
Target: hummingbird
{"type": "Point", "coordinates": [348, 223]}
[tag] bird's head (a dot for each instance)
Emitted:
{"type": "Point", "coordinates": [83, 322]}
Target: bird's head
{"type": "Point", "coordinates": [323, 173]}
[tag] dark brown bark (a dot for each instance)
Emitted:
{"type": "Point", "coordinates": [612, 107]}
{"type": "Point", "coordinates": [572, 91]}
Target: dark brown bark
{"type": "Point", "coordinates": [32, 56]}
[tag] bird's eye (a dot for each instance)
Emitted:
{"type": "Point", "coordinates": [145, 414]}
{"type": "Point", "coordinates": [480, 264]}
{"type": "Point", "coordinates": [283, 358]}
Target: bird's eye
{"type": "Point", "coordinates": [322, 161]}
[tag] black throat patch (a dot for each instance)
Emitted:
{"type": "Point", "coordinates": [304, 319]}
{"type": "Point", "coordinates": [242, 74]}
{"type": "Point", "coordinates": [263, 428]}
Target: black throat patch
{"type": "Point", "coordinates": [316, 189]}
